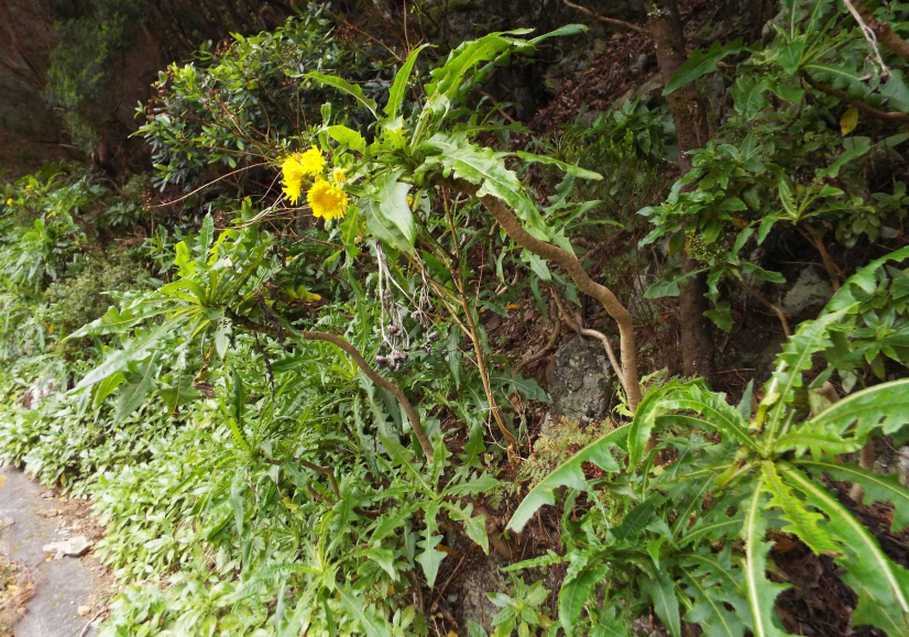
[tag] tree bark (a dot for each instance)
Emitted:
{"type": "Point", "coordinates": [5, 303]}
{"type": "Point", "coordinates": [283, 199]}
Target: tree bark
{"type": "Point", "coordinates": [690, 115]}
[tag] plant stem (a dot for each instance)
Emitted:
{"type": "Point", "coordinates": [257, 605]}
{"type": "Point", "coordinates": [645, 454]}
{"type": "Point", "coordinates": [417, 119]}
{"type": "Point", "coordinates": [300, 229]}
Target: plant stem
{"type": "Point", "coordinates": [572, 266]}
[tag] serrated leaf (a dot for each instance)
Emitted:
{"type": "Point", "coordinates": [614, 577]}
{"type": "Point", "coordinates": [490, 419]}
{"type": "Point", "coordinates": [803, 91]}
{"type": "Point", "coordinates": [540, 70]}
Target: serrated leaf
{"type": "Point", "coordinates": [884, 407]}
{"type": "Point", "coordinates": [136, 349]}
{"type": "Point", "coordinates": [474, 526]}
{"type": "Point", "coordinates": [714, 587]}
{"type": "Point", "coordinates": [795, 359]}
{"type": "Point", "coordinates": [395, 210]}
{"type": "Point", "coordinates": [486, 169]}
{"type": "Point", "coordinates": [689, 403]}
{"type": "Point", "coordinates": [877, 488]}
{"type": "Point", "coordinates": [760, 592]}
{"type": "Point", "coordinates": [385, 558]}
{"type": "Point", "coordinates": [802, 522]}
{"type": "Point", "coordinates": [569, 169]}
{"type": "Point", "coordinates": [549, 559]}
{"type": "Point", "coordinates": [370, 622]}
{"type": "Point", "coordinates": [569, 474]}
{"type": "Point", "coordinates": [881, 585]}
{"type": "Point", "coordinates": [133, 395]}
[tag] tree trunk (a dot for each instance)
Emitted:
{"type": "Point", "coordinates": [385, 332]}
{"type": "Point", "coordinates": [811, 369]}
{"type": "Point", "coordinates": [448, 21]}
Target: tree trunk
{"type": "Point", "coordinates": [690, 115]}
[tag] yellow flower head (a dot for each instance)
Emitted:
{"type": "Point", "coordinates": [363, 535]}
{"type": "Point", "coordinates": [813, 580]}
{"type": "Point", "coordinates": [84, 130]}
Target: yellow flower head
{"type": "Point", "coordinates": [312, 163]}
{"type": "Point", "coordinates": [338, 176]}
{"type": "Point", "coordinates": [326, 200]}
{"type": "Point", "coordinates": [297, 167]}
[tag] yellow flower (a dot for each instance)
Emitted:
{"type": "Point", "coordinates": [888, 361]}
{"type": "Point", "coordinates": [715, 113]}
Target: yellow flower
{"type": "Point", "coordinates": [338, 176]}
{"type": "Point", "coordinates": [312, 163]}
{"type": "Point", "coordinates": [326, 200]}
{"type": "Point", "coordinates": [297, 167]}
{"type": "Point", "coordinates": [9, 202]}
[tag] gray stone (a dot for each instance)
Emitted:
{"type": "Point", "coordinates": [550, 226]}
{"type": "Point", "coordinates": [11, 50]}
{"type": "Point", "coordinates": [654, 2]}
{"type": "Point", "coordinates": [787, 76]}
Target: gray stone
{"type": "Point", "coordinates": [475, 605]}
{"type": "Point", "coordinates": [808, 294]}
{"type": "Point", "coordinates": [73, 547]}
{"type": "Point", "coordinates": [581, 382]}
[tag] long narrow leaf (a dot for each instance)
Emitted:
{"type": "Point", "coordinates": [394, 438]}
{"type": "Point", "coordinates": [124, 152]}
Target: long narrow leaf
{"type": "Point", "coordinates": [878, 488]}
{"type": "Point", "coordinates": [881, 585]}
{"type": "Point", "coordinates": [569, 474]}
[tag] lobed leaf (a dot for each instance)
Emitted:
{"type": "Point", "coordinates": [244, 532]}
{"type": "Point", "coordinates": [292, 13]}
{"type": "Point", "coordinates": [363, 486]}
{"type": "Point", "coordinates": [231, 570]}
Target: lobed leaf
{"type": "Point", "coordinates": [569, 474]}
{"type": "Point", "coordinates": [881, 585]}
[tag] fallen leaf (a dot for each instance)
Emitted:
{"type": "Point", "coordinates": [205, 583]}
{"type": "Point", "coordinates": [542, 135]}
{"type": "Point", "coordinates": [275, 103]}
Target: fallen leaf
{"type": "Point", "coordinates": [849, 121]}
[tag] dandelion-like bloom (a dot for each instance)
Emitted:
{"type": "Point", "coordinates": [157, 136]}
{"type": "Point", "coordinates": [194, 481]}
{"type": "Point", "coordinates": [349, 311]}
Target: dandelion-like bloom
{"type": "Point", "coordinates": [327, 200]}
{"type": "Point", "coordinates": [312, 163]}
{"type": "Point", "coordinates": [297, 168]}
{"type": "Point", "coordinates": [338, 176]}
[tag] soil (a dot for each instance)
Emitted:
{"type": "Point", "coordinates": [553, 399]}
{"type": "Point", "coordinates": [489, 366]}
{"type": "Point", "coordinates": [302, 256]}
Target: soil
{"type": "Point", "coordinates": [43, 596]}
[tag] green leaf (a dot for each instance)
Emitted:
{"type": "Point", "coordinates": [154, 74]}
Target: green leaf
{"type": "Point", "coordinates": [385, 558]}
{"type": "Point", "coordinates": [474, 526]}
{"type": "Point", "coordinates": [881, 585]}
{"type": "Point", "coordinates": [347, 137]}
{"type": "Point", "coordinates": [661, 591]}
{"type": "Point", "coordinates": [486, 169]}
{"type": "Point", "coordinates": [394, 208]}
{"type": "Point", "coordinates": [133, 395]}
{"type": "Point", "coordinates": [801, 522]}
{"type": "Point", "coordinates": [370, 622]}
{"type": "Point", "coordinates": [884, 407]}
{"type": "Point", "coordinates": [430, 558]}
{"type": "Point", "coordinates": [136, 349]}
{"type": "Point", "coordinates": [714, 587]}
{"type": "Point", "coordinates": [569, 169]}
{"type": "Point", "coordinates": [577, 587]}
{"type": "Point", "coordinates": [344, 86]}
{"type": "Point", "coordinates": [569, 474]}
{"type": "Point", "coordinates": [688, 403]}
{"type": "Point", "coordinates": [449, 79]}
{"type": "Point", "coordinates": [791, 364]}
{"type": "Point", "coordinates": [855, 147]}
{"type": "Point", "coordinates": [700, 63]}
{"type": "Point", "coordinates": [760, 592]}
{"type": "Point", "coordinates": [399, 85]}
{"type": "Point", "coordinates": [863, 280]}
{"type": "Point", "coordinates": [878, 488]}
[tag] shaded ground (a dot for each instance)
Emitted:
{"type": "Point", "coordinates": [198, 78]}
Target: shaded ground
{"type": "Point", "coordinates": [50, 593]}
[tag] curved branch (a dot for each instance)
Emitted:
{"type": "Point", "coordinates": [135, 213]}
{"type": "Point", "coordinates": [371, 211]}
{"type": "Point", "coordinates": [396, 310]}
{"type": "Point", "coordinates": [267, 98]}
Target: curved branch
{"type": "Point", "coordinates": [412, 415]}
{"type": "Point", "coordinates": [615, 22]}
{"type": "Point", "coordinates": [572, 266]}
{"type": "Point", "coordinates": [281, 332]}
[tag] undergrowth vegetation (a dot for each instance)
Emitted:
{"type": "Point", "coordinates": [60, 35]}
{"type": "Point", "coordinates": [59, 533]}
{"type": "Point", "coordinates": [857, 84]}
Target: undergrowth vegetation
{"type": "Point", "coordinates": [300, 367]}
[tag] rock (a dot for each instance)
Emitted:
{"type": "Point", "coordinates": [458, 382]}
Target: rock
{"type": "Point", "coordinates": [83, 611]}
{"type": "Point", "coordinates": [581, 382]}
{"type": "Point", "coordinates": [808, 294]}
{"type": "Point", "coordinates": [475, 605]}
{"type": "Point", "coordinates": [73, 547]}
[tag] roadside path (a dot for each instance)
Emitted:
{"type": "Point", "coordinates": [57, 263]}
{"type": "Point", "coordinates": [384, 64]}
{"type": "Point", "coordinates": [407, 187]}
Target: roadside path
{"type": "Point", "coordinates": [30, 518]}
